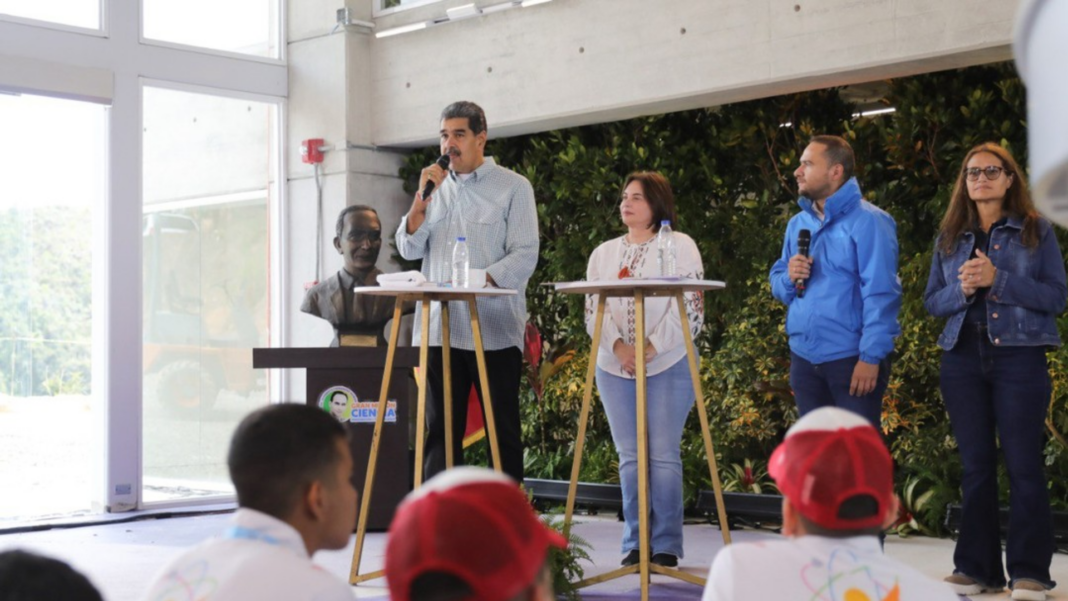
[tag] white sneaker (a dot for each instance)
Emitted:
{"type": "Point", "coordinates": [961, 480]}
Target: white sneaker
{"type": "Point", "coordinates": [1025, 589]}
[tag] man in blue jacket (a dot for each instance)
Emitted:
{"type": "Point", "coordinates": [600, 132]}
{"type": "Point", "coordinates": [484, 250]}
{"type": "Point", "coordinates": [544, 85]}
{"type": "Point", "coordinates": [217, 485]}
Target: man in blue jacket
{"type": "Point", "coordinates": [842, 300]}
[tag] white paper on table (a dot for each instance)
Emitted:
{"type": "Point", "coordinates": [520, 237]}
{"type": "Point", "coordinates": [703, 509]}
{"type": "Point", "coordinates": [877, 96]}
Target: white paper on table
{"type": "Point", "coordinates": [404, 278]}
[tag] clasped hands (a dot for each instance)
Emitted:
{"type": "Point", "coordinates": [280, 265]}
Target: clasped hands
{"type": "Point", "coordinates": [976, 273]}
{"type": "Point", "coordinates": [626, 353]}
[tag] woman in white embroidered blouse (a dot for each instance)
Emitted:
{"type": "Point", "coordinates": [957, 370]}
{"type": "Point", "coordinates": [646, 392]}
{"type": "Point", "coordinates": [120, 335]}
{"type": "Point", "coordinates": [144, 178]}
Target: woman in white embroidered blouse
{"type": "Point", "coordinates": [647, 200]}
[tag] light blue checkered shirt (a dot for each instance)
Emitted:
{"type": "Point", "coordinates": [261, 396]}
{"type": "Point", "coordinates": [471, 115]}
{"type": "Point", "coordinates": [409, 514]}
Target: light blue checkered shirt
{"type": "Point", "coordinates": [494, 209]}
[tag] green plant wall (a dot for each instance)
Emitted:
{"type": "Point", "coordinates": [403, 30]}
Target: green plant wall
{"type": "Point", "coordinates": [731, 168]}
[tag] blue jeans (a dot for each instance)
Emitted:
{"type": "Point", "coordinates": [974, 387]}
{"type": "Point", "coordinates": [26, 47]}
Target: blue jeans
{"type": "Point", "coordinates": [1000, 393]}
{"type": "Point", "coordinates": [670, 397]}
{"type": "Point", "coordinates": [818, 385]}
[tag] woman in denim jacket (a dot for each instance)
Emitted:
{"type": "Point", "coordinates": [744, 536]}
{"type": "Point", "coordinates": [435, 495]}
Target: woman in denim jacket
{"type": "Point", "coordinates": [998, 276]}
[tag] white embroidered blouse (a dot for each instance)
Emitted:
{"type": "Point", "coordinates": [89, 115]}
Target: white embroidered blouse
{"type": "Point", "coordinates": [618, 259]}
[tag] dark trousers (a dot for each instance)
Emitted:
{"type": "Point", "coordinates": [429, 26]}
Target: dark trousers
{"type": "Point", "coordinates": [818, 385]}
{"type": "Point", "coordinates": [504, 368]}
{"type": "Point", "coordinates": [1001, 393]}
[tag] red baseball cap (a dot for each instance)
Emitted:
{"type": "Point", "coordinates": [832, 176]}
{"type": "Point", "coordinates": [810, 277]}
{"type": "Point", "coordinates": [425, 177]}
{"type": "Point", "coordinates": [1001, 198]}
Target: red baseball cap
{"type": "Point", "coordinates": [471, 523]}
{"type": "Point", "coordinates": [829, 457]}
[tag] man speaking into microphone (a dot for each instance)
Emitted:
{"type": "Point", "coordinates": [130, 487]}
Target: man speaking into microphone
{"type": "Point", "coordinates": [465, 193]}
{"type": "Point", "coordinates": [838, 278]}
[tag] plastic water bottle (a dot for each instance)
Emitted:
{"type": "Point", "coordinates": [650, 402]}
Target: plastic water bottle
{"type": "Point", "coordinates": [461, 264]}
{"type": "Point", "coordinates": [665, 250]}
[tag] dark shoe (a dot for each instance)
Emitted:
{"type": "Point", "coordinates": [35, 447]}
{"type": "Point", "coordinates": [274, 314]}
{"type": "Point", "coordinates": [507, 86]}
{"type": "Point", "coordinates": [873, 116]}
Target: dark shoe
{"type": "Point", "coordinates": [632, 558]}
{"type": "Point", "coordinates": [665, 559]}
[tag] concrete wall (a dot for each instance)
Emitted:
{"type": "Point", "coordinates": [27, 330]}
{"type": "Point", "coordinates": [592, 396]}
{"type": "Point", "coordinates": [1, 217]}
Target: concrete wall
{"type": "Point", "coordinates": [575, 62]}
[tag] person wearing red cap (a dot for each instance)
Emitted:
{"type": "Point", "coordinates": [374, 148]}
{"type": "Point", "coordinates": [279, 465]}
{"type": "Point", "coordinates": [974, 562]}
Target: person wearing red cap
{"type": "Point", "coordinates": [469, 533]}
{"type": "Point", "coordinates": [836, 477]}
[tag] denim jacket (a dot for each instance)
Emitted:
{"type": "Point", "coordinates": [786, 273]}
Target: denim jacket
{"type": "Point", "coordinates": [1029, 288]}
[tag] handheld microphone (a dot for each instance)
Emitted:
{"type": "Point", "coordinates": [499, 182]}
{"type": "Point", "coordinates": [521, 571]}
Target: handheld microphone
{"type": "Point", "coordinates": [443, 162]}
{"type": "Point", "coordinates": [804, 238]}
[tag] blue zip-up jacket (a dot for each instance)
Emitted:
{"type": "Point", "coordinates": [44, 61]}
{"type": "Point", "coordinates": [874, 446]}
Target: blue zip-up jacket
{"type": "Point", "coordinates": [853, 295]}
{"type": "Point", "coordinates": [1029, 288]}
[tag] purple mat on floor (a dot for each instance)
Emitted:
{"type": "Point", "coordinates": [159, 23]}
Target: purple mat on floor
{"type": "Point", "coordinates": [671, 589]}
{"type": "Point", "coordinates": [700, 545]}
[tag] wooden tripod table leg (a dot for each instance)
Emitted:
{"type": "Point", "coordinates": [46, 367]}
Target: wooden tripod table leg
{"type": "Point", "coordinates": [643, 440]}
{"type": "Point", "coordinates": [487, 403]}
{"type": "Point", "coordinates": [446, 369]}
{"type": "Point", "coordinates": [420, 419]}
{"type": "Point", "coordinates": [702, 413]}
{"type": "Point", "coordinates": [644, 567]}
{"type": "Point", "coordinates": [372, 460]}
{"type": "Point", "coordinates": [584, 416]}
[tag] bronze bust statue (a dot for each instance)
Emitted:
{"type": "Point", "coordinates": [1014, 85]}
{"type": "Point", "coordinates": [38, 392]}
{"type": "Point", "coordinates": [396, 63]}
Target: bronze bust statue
{"type": "Point", "coordinates": [358, 320]}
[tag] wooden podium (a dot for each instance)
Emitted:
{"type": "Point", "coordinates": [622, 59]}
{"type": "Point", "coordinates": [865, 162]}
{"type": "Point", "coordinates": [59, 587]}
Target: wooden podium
{"type": "Point", "coordinates": [424, 294]}
{"type": "Point", "coordinates": [640, 290]}
{"type": "Point", "coordinates": [360, 370]}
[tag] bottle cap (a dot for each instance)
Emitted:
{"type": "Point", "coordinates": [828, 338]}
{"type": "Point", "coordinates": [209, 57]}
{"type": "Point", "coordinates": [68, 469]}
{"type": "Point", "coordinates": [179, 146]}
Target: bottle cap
{"type": "Point", "coordinates": [665, 222]}
{"type": "Point", "coordinates": [461, 239]}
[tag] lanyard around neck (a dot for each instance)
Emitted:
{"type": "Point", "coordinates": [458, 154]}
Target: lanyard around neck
{"type": "Point", "coordinates": [243, 533]}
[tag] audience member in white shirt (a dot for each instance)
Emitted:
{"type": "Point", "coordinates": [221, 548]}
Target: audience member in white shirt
{"type": "Point", "coordinates": [836, 477]}
{"type": "Point", "coordinates": [291, 468]}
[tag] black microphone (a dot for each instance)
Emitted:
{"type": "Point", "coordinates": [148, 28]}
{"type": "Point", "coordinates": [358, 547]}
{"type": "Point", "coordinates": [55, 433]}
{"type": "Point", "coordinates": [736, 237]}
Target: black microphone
{"type": "Point", "coordinates": [443, 162]}
{"type": "Point", "coordinates": [804, 238]}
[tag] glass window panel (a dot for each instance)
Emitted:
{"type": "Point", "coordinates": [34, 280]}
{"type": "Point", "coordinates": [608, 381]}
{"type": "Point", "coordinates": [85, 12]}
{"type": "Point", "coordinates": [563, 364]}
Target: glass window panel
{"type": "Point", "coordinates": [78, 13]}
{"type": "Point", "coordinates": [243, 26]}
{"type": "Point", "coordinates": [207, 176]}
{"type": "Point", "coordinates": [46, 425]}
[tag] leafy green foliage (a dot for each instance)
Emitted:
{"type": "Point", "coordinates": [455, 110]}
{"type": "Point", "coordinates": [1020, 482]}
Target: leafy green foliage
{"type": "Point", "coordinates": [564, 563]}
{"type": "Point", "coordinates": [45, 300]}
{"type": "Point", "coordinates": [732, 171]}
{"type": "Point", "coordinates": [749, 477]}
{"type": "Point", "coordinates": [913, 503]}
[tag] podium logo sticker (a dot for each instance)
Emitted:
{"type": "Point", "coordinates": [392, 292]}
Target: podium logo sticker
{"type": "Point", "coordinates": [342, 403]}
{"type": "Point", "coordinates": [338, 402]}
{"type": "Point", "coordinates": [366, 412]}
